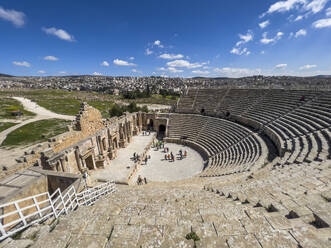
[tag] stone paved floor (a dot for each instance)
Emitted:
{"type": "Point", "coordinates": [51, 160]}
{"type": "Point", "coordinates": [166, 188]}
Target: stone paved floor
{"type": "Point", "coordinates": [117, 170]}
{"type": "Point", "coordinates": [161, 170]}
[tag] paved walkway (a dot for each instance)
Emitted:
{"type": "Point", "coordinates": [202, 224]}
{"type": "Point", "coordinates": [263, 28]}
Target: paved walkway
{"type": "Point", "coordinates": [161, 170]}
{"type": "Point", "coordinates": [117, 170]}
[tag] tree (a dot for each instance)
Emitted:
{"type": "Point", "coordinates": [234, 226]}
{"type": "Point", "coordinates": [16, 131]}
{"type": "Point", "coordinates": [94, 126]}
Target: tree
{"type": "Point", "coordinates": [144, 109]}
{"type": "Point", "coordinates": [116, 110]}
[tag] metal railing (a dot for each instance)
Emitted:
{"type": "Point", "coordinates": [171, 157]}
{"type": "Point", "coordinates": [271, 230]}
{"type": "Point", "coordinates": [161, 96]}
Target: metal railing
{"type": "Point", "coordinates": [20, 214]}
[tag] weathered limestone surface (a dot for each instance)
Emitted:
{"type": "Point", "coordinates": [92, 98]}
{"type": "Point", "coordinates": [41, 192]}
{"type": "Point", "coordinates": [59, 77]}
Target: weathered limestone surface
{"type": "Point", "coordinates": [162, 214]}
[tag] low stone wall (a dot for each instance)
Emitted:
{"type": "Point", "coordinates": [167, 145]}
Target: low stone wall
{"type": "Point", "coordinates": [61, 180]}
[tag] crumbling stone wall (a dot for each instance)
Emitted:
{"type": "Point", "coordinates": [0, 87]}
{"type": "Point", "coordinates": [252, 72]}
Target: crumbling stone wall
{"type": "Point", "coordinates": [92, 143]}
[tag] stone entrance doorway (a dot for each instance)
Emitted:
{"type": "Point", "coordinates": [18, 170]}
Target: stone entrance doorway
{"type": "Point", "coordinates": [150, 124]}
{"type": "Point", "coordinates": [89, 162]}
{"type": "Point", "coordinates": [162, 130]}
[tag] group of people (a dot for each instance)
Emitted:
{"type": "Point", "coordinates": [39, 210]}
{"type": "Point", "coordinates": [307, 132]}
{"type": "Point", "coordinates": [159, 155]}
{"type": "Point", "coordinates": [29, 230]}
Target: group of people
{"type": "Point", "coordinates": [141, 180]}
{"type": "Point", "coordinates": [136, 158]}
{"type": "Point", "coordinates": [158, 145]}
{"type": "Point", "coordinates": [170, 156]}
{"type": "Point", "coordinates": [146, 133]}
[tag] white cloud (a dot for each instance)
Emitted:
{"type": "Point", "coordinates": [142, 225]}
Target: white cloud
{"type": "Point", "coordinates": [307, 67]}
{"type": "Point", "coordinates": [283, 6]}
{"type": "Point", "coordinates": [136, 71]}
{"type": "Point", "coordinates": [51, 58]}
{"type": "Point", "coordinates": [171, 56]}
{"type": "Point", "coordinates": [301, 32]}
{"type": "Point", "coordinates": [266, 40]}
{"type": "Point", "coordinates": [174, 70]}
{"type": "Point", "coordinates": [63, 72]}
{"type": "Point", "coordinates": [97, 73]}
{"type": "Point", "coordinates": [60, 33]}
{"type": "Point", "coordinates": [170, 69]}
{"type": "Point", "coordinates": [240, 51]}
{"type": "Point", "coordinates": [244, 38]}
{"type": "Point", "coordinates": [328, 12]}
{"type": "Point", "coordinates": [148, 51]}
{"type": "Point", "coordinates": [237, 72]}
{"type": "Point", "coordinates": [131, 58]}
{"type": "Point", "coordinates": [122, 63]}
{"type": "Point", "coordinates": [41, 72]}
{"type": "Point", "coordinates": [185, 63]}
{"type": "Point", "coordinates": [281, 66]}
{"type": "Point", "coordinates": [264, 24]}
{"type": "Point", "coordinates": [322, 23]}
{"type": "Point", "coordinates": [23, 63]}
{"type": "Point", "coordinates": [158, 43]}
{"type": "Point", "coordinates": [13, 16]}
{"type": "Point", "coordinates": [104, 63]}
{"type": "Point", "coordinates": [316, 6]}
{"type": "Point", "coordinates": [199, 72]}
{"type": "Point", "coordinates": [300, 17]}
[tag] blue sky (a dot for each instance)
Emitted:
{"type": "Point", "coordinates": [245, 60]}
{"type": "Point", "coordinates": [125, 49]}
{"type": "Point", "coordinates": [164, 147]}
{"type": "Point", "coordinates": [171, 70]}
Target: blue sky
{"type": "Point", "coordinates": [182, 38]}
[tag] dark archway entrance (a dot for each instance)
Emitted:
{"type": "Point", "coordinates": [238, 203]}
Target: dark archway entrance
{"type": "Point", "coordinates": [89, 162]}
{"type": "Point", "coordinates": [162, 130]}
{"type": "Point", "coordinates": [150, 125]}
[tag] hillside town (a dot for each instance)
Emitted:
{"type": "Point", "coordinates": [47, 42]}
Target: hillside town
{"type": "Point", "coordinates": [115, 85]}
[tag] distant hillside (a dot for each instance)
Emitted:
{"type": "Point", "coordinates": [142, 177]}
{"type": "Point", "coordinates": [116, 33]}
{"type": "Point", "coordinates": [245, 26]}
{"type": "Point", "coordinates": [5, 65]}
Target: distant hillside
{"type": "Point", "coordinates": [5, 75]}
{"type": "Point", "coordinates": [323, 76]}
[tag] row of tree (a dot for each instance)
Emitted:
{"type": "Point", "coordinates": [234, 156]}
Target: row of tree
{"type": "Point", "coordinates": [117, 110]}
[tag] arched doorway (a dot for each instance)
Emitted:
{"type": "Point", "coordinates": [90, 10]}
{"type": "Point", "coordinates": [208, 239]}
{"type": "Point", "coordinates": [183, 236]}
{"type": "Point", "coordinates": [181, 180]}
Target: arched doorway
{"type": "Point", "coordinates": [162, 130]}
{"type": "Point", "coordinates": [150, 125]}
{"type": "Point", "coordinates": [89, 162]}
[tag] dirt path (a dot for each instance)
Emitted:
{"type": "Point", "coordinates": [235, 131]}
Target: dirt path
{"type": "Point", "coordinates": [40, 111]}
{"type": "Point", "coordinates": [41, 114]}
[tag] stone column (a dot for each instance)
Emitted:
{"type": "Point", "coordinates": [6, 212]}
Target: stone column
{"type": "Point", "coordinates": [100, 145]}
{"type": "Point", "coordinates": [78, 159]}
{"type": "Point", "coordinates": [58, 166]}
{"type": "Point", "coordinates": [63, 165]}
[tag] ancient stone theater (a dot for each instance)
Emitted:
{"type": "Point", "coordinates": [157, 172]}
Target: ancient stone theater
{"type": "Point", "coordinates": [226, 168]}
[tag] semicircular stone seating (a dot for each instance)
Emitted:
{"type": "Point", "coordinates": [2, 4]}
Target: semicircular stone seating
{"type": "Point", "coordinates": [297, 121]}
{"type": "Point", "coordinates": [228, 147]}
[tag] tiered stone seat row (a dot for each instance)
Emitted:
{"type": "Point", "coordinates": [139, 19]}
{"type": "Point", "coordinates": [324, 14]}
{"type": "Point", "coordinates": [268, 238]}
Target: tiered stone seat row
{"type": "Point", "coordinates": [296, 196]}
{"type": "Point", "coordinates": [297, 121]}
{"type": "Point", "coordinates": [230, 147]}
{"type": "Point", "coordinates": [164, 215]}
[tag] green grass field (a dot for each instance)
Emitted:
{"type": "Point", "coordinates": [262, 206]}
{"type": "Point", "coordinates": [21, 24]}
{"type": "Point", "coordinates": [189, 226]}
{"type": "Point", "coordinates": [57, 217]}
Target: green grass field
{"type": "Point", "coordinates": [35, 132]}
{"type": "Point", "coordinates": [7, 105]}
{"type": "Point", "coordinates": [68, 103]}
{"type": "Point", "coordinates": [6, 125]}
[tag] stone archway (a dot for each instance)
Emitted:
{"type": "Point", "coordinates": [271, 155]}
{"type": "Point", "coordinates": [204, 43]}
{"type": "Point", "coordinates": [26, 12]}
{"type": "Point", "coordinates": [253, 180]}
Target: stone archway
{"type": "Point", "coordinates": [150, 124]}
{"type": "Point", "coordinates": [89, 162]}
{"type": "Point", "coordinates": [162, 130]}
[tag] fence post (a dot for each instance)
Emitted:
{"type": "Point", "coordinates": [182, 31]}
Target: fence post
{"type": "Point", "coordinates": [20, 213]}
{"type": "Point", "coordinates": [52, 205]}
{"type": "Point", "coordinates": [64, 206]}
{"type": "Point", "coordinates": [76, 199]}
{"type": "Point", "coordinates": [2, 230]}
{"type": "Point", "coordinates": [37, 206]}
{"type": "Point", "coordinates": [73, 195]}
